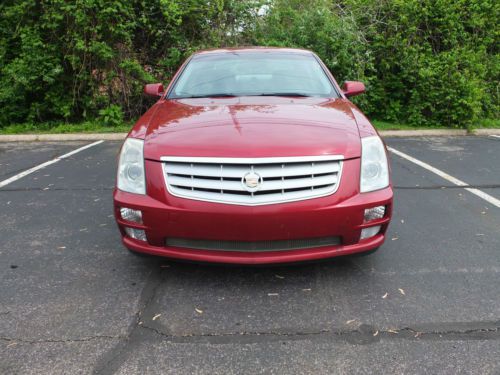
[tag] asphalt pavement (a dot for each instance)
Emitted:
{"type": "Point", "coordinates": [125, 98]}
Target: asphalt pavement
{"type": "Point", "coordinates": [73, 300]}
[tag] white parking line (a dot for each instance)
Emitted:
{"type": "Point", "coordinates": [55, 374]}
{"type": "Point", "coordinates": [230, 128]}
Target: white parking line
{"type": "Point", "coordinates": [496, 136]}
{"type": "Point", "coordinates": [446, 176]}
{"type": "Point", "coordinates": [47, 163]}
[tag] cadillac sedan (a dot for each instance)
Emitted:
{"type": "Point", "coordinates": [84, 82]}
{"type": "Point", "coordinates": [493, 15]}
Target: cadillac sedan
{"type": "Point", "coordinates": [253, 156]}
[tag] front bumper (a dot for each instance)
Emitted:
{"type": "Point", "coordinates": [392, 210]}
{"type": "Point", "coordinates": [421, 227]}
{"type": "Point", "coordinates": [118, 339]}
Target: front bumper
{"type": "Point", "coordinates": [340, 214]}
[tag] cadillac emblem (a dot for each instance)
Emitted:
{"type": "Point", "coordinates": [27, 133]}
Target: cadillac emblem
{"type": "Point", "coordinates": [251, 181]}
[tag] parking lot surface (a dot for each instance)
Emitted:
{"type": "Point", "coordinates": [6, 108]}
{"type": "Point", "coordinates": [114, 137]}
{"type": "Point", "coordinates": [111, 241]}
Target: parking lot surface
{"type": "Point", "coordinates": [73, 300]}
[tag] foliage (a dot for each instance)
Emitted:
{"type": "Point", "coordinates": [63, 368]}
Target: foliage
{"type": "Point", "coordinates": [425, 62]}
{"type": "Point", "coordinates": [52, 127]}
{"type": "Point", "coordinates": [434, 60]}
{"type": "Point", "coordinates": [111, 116]}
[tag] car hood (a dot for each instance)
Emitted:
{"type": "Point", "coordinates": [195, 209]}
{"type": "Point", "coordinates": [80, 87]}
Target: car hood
{"type": "Point", "coordinates": [252, 127]}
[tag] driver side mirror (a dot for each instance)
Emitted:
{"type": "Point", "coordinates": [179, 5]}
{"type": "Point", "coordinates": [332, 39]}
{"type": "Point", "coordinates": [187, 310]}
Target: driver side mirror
{"type": "Point", "coordinates": [352, 88]}
{"type": "Point", "coordinates": [154, 89]}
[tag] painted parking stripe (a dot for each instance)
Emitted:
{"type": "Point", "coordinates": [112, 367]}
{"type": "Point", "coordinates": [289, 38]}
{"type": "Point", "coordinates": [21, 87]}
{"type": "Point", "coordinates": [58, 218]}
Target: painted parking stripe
{"type": "Point", "coordinates": [496, 136]}
{"type": "Point", "coordinates": [47, 163]}
{"type": "Point", "coordinates": [446, 176]}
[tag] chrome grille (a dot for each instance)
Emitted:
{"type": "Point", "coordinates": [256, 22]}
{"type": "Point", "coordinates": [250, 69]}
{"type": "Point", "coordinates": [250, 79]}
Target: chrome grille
{"type": "Point", "coordinates": [253, 246]}
{"type": "Point", "coordinates": [253, 181]}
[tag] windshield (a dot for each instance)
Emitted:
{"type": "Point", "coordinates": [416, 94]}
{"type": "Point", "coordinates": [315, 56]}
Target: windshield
{"type": "Point", "coordinates": [252, 74]}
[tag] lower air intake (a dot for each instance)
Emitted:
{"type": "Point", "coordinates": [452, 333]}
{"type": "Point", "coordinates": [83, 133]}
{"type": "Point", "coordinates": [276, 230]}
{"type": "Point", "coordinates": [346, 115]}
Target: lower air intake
{"type": "Point", "coordinates": [252, 246]}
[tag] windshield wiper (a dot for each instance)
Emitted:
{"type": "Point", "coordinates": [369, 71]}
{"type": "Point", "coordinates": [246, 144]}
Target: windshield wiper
{"type": "Point", "coordinates": [295, 94]}
{"type": "Point", "coordinates": [218, 95]}
{"type": "Point", "coordinates": [229, 95]}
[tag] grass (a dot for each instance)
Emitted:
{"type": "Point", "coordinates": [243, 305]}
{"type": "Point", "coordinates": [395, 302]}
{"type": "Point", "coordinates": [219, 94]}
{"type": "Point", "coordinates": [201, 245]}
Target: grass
{"type": "Point", "coordinates": [385, 125]}
{"type": "Point", "coordinates": [58, 128]}
{"type": "Point", "coordinates": [481, 124]}
{"type": "Point", "coordinates": [489, 124]}
{"type": "Point", "coordinates": [97, 127]}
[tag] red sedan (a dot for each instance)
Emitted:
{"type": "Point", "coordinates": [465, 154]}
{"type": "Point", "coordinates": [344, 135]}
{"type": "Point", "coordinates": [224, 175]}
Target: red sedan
{"type": "Point", "coordinates": [253, 156]}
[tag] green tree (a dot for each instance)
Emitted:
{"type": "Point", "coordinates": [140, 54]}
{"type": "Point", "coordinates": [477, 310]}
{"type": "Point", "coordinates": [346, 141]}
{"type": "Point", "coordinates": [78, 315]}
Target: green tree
{"type": "Point", "coordinates": [423, 61]}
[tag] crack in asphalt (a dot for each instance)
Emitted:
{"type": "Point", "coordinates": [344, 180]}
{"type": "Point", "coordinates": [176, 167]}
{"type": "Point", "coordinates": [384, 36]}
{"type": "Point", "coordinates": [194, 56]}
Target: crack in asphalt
{"type": "Point", "coordinates": [111, 361]}
{"type": "Point", "coordinates": [363, 334]}
{"type": "Point", "coordinates": [51, 340]}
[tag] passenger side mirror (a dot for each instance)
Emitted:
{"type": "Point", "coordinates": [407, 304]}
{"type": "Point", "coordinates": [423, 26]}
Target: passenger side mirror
{"type": "Point", "coordinates": [154, 89]}
{"type": "Point", "coordinates": [352, 88]}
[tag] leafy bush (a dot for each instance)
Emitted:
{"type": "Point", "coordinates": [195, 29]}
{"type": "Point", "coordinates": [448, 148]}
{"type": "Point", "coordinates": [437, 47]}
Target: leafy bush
{"type": "Point", "coordinates": [111, 116]}
{"type": "Point", "coordinates": [425, 62]}
{"type": "Point", "coordinates": [433, 60]}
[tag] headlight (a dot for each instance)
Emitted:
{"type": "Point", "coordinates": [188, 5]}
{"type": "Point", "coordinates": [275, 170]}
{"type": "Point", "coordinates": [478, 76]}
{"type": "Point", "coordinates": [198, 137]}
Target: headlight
{"type": "Point", "coordinates": [131, 167]}
{"type": "Point", "coordinates": [374, 169]}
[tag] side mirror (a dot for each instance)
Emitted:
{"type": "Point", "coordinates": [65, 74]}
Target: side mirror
{"type": "Point", "coordinates": [154, 89]}
{"type": "Point", "coordinates": [352, 88]}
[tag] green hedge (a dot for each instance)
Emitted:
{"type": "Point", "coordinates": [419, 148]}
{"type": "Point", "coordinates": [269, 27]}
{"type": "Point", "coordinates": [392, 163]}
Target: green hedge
{"type": "Point", "coordinates": [425, 62]}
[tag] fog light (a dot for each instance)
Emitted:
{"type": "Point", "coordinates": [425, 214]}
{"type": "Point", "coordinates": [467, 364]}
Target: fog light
{"type": "Point", "coordinates": [137, 234]}
{"type": "Point", "coordinates": [369, 232]}
{"type": "Point", "coordinates": [131, 215]}
{"type": "Point", "coordinates": [374, 213]}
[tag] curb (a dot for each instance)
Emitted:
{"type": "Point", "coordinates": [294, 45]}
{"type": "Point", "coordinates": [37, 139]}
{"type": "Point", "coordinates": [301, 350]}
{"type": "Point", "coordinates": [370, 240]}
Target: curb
{"type": "Point", "coordinates": [486, 131]}
{"type": "Point", "coordinates": [121, 136]}
{"type": "Point", "coordinates": [424, 133]}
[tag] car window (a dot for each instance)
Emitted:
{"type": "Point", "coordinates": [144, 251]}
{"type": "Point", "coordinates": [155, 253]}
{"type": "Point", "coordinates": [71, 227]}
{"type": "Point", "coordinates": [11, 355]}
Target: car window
{"type": "Point", "coordinates": [242, 74]}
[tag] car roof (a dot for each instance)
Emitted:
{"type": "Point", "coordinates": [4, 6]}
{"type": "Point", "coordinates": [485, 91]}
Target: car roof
{"type": "Point", "coordinates": [252, 49]}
